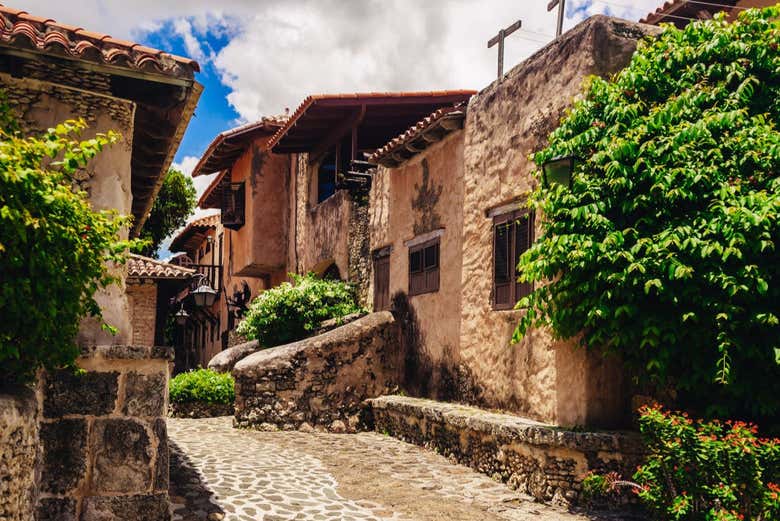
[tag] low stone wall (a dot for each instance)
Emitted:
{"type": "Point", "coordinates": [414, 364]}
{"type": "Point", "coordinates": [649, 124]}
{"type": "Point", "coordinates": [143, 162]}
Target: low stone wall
{"type": "Point", "coordinates": [544, 461]}
{"type": "Point", "coordinates": [104, 449]}
{"type": "Point", "coordinates": [225, 361]}
{"type": "Point", "coordinates": [200, 410]}
{"type": "Point", "coordinates": [18, 454]}
{"type": "Point", "coordinates": [321, 381]}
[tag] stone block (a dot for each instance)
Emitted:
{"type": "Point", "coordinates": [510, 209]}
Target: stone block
{"type": "Point", "coordinates": [145, 394]}
{"type": "Point", "coordinates": [90, 393]}
{"type": "Point", "coordinates": [64, 444]}
{"type": "Point", "coordinates": [162, 465]}
{"type": "Point", "coordinates": [144, 507]}
{"type": "Point", "coordinates": [56, 509]}
{"type": "Point", "coordinates": [122, 456]}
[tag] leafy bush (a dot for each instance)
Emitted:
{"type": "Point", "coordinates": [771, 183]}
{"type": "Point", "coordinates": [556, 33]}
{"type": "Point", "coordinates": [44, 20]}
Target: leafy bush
{"type": "Point", "coordinates": [203, 385]}
{"type": "Point", "coordinates": [701, 470]}
{"type": "Point", "coordinates": [292, 311]}
{"type": "Point", "coordinates": [53, 246]}
{"type": "Point", "coordinates": [665, 247]}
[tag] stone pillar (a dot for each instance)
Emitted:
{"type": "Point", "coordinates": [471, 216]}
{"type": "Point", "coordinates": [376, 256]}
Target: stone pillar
{"type": "Point", "coordinates": [104, 449]}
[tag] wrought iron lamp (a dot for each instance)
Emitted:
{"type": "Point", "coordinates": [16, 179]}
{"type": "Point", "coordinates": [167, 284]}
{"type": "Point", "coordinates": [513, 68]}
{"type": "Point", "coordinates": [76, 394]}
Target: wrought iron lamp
{"type": "Point", "coordinates": [204, 295]}
{"type": "Point", "coordinates": [181, 316]}
{"type": "Point", "coordinates": [559, 170]}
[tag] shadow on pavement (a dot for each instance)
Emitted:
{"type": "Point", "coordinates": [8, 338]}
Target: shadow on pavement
{"type": "Point", "coordinates": [191, 498]}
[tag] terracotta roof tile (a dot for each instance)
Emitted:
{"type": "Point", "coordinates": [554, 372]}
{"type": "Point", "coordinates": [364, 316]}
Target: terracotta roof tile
{"type": "Point", "coordinates": [315, 98]}
{"type": "Point", "coordinates": [21, 29]}
{"type": "Point", "coordinates": [680, 11]}
{"type": "Point", "coordinates": [197, 226]}
{"type": "Point", "coordinates": [457, 112]}
{"type": "Point", "coordinates": [227, 146]}
{"type": "Point", "coordinates": [139, 266]}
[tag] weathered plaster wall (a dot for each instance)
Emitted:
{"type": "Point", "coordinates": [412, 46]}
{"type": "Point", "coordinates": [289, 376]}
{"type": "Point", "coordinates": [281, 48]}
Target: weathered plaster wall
{"type": "Point", "coordinates": [506, 122]}
{"type": "Point", "coordinates": [104, 448]}
{"type": "Point", "coordinates": [320, 381]}
{"type": "Point", "coordinates": [420, 196]}
{"type": "Point", "coordinates": [18, 454]}
{"type": "Point", "coordinates": [41, 105]}
{"type": "Point", "coordinates": [543, 461]}
{"type": "Point", "coordinates": [142, 297]}
{"type": "Point", "coordinates": [322, 235]}
{"type": "Point", "coordinates": [260, 246]}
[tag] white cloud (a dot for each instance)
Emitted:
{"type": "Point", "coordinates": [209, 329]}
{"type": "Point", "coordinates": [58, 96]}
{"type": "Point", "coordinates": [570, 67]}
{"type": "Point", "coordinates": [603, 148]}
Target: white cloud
{"type": "Point", "coordinates": [281, 50]}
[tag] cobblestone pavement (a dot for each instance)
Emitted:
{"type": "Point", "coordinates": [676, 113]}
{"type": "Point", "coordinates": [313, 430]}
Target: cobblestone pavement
{"type": "Point", "coordinates": [218, 472]}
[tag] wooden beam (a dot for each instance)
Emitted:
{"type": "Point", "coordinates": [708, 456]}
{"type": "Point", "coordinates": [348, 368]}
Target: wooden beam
{"type": "Point", "coordinates": [336, 134]}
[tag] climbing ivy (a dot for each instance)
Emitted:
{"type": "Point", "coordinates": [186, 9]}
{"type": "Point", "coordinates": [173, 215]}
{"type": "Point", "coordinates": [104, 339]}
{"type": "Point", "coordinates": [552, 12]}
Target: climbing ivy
{"type": "Point", "coordinates": [53, 246]}
{"type": "Point", "coordinates": [664, 249]}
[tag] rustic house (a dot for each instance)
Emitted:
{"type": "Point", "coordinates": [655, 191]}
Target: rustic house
{"type": "Point", "coordinates": [52, 72]}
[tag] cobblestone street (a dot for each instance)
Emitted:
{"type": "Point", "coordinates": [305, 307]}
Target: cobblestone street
{"type": "Point", "coordinates": [218, 472]}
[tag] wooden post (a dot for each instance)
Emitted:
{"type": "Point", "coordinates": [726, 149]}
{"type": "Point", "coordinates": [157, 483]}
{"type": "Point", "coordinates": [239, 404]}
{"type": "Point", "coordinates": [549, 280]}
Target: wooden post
{"type": "Point", "coordinates": [561, 8]}
{"type": "Point", "coordinates": [499, 39]}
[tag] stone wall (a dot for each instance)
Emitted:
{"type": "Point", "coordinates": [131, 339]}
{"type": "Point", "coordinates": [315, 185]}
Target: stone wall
{"type": "Point", "coordinates": [546, 462]}
{"type": "Point", "coordinates": [104, 450]}
{"type": "Point", "coordinates": [321, 381]}
{"type": "Point", "coordinates": [142, 297]}
{"type": "Point", "coordinates": [18, 454]}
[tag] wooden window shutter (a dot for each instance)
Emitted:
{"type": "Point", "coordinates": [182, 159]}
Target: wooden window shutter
{"type": "Point", "coordinates": [502, 250]}
{"type": "Point", "coordinates": [424, 267]}
{"type": "Point", "coordinates": [233, 206]}
{"type": "Point", "coordinates": [523, 239]}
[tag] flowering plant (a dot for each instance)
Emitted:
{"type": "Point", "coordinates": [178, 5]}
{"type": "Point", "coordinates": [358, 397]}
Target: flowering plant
{"type": "Point", "coordinates": [699, 470]}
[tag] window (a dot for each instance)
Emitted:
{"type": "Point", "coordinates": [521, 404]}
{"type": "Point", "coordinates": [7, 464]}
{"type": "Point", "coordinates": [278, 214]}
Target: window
{"type": "Point", "coordinates": [233, 206]}
{"type": "Point", "coordinates": [512, 235]}
{"type": "Point", "coordinates": [382, 279]}
{"type": "Point", "coordinates": [326, 177]}
{"type": "Point", "coordinates": [424, 267]}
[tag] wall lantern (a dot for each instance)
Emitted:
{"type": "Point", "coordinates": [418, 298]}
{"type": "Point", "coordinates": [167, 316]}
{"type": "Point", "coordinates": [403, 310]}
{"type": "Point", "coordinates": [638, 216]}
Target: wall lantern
{"type": "Point", "coordinates": [204, 295]}
{"type": "Point", "coordinates": [559, 170]}
{"type": "Point", "coordinates": [181, 316]}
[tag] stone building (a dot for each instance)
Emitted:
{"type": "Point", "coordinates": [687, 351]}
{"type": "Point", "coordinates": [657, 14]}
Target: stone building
{"type": "Point", "coordinates": [51, 72]}
{"type": "Point", "coordinates": [93, 446]}
{"type": "Point", "coordinates": [150, 286]}
{"type": "Point", "coordinates": [449, 220]}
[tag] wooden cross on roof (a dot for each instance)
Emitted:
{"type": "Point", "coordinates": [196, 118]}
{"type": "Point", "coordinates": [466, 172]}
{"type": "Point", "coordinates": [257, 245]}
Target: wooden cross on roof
{"type": "Point", "coordinates": [499, 39]}
{"type": "Point", "coordinates": [561, 7]}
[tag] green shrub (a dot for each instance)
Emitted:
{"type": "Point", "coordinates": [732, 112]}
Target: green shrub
{"type": "Point", "coordinates": [700, 470]}
{"type": "Point", "coordinates": [292, 311]}
{"type": "Point", "coordinates": [203, 385]}
{"type": "Point", "coordinates": [53, 246]}
{"type": "Point", "coordinates": [665, 248]}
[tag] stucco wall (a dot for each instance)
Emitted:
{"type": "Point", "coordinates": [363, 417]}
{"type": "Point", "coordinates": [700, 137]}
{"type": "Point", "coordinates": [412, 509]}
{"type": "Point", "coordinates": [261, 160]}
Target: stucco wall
{"type": "Point", "coordinates": [423, 195]}
{"type": "Point", "coordinates": [506, 122]}
{"type": "Point", "coordinates": [260, 246]}
{"type": "Point", "coordinates": [41, 105]}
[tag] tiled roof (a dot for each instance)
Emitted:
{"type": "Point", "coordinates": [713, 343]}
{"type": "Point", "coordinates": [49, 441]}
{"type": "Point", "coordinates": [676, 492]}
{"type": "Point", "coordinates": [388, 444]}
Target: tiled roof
{"type": "Point", "coordinates": [443, 121]}
{"type": "Point", "coordinates": [680, 12]}
{"type": "Point", "coordinates": [139, 266]}
{"type": "Point", "coordinates": [196, 227]}
{"type": "Point", "coordinates": [230, 144]}
{"type": "Point", "coordinates": [433, 99]}
{"type": "Point", "coordinates": [20, 29]}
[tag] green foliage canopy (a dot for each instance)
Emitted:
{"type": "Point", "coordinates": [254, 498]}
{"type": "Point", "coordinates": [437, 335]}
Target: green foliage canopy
{"type": "Point", "coordinates": [292, 311]}
{"type": "Point", "coordinates": [53, 246]}
{"type": "Point", "coordinates": [202, 385]}
{"type": "Point", "coordinates": [174, 204]}
{"type": "Point", "coordinates": [665, 249]}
